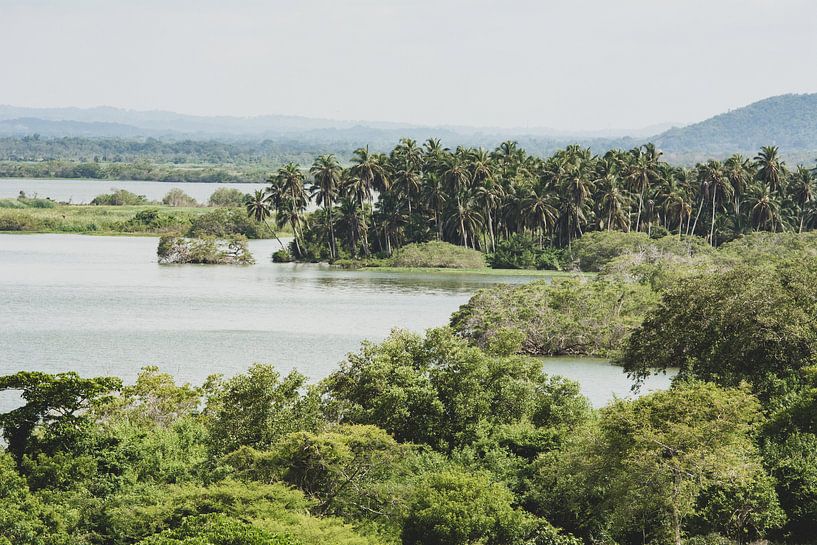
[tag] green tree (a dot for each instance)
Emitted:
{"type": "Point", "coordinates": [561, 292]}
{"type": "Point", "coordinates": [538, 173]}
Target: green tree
{"type": "Point", "coordinates": [257, 408]}
{"type": "Point", "coordinates": [747, 323]}
{"type": "Point", "coordinates": [327, 175]}
{"type": "Point", "coordinates": [458, 508]}
{"type": "Point", "coordinates": [641, 472]}
{"type": "Point", "coordinates": [55, 413]}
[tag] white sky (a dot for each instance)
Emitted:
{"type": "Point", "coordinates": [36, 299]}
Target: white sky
{"type": "Point", "coordinates": [586, 64]}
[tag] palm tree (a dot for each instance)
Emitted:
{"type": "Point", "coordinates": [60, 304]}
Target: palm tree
{"type": "Point", "coordinates": [288, 192]}
{"type": "Point", "coordinates": [458, 179]}
{"type": "Point", "coordinates": [371, 173]}
{"type": "Point", "coordinates": [675, 202]}
{"type": "Point", "coordinates": [719, 187]}
{"type": "Point", "coordinates": [764, 211]}
{"type": "Point", "coordinates": [540, 210]}
{"type": "Point", "coordinates": [465, 219]}
{"type": "Point", "coordinates": [258, 208]}
{"type": "Point", "coordinates": [802, 192]}
{"type": "Point", "coordinates": [771, 171]}
{"type": "Point", "coordinates": [487, 192]}
{"type": "Point", "coordinates": [406, 160]}
{"type": "Point", "coordinates": [327, 175]}
{"type": "Point", "coordinates": [433, 193]}
{"type": "Point", "coordinates": [351, 223]}
{"type": "Point", "coordinates": [739, 172]}
{"type": "Point", "coordinates": [612, 200]}
{"type": "Point", "coordinates": [641, 171]}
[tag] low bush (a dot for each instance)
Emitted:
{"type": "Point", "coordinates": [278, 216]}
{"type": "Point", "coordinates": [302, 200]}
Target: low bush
{"type": "Point", "coordinates": [522, 252]}
{"type": "Point", "coordinates": [440, 255]}
{"type": "Point", "coordinates": [14, 220]}
{"type": "Point", "coordinates": [762, 247]}
{"type": "Point", "coordinates": [27, 202]}
{"type": "Point", "coordinates": [593, 251]}
{"type": "Point", "coordinates": [227, 197]}
{"type": "Point", "coordinates": [281, 256]}
{"type": "Point", "coordinates": [223, 223]}
{"type": "Point", "coordinates": [119, 197]}
{"type": "Point", "coordinates": [208, 250]}
{"type": "Point", "coordinates": [177, 197]}
{"type": "Point", "coordinates": [568, 316]}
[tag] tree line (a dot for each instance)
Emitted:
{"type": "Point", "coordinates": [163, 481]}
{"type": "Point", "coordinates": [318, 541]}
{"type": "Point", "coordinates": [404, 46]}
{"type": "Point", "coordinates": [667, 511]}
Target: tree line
{"type": "Point", "coordinates": [478, 198]}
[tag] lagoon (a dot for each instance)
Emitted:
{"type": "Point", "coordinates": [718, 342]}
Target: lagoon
{"type": "Point", "coordinates": [103, 305]}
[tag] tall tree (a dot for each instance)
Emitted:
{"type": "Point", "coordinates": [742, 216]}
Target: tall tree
{"type": "Point", "coordinates": [327, 175]}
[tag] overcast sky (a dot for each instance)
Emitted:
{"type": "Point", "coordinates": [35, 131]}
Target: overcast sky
{"type": "Point", "coordinates": [588, 64]}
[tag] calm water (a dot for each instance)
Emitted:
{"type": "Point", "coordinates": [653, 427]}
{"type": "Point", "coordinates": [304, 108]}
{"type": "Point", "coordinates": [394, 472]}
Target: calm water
{"type": "Point", "coordinates": [83, 191]}
{"type": "Point", "coordinates": [102, 305]}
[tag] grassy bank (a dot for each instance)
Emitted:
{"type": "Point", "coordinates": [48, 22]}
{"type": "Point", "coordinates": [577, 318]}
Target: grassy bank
{"type": "Point", "coordinates": [142, 219]}
{"type": "Point", "coordinates": [98, 220]}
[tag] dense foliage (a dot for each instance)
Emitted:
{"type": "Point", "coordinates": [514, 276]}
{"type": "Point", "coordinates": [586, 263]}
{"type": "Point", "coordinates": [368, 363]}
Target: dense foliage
{"type": "Point", "coordinates": [478, 199]}
{"type": "Point", "coordinates": [745, 324]}
{"type": "Point", "coordinates": [565, 316]}
{"type": "Point", "coordinates": [436, 254]}
{"type": "Point", "coordinates": [447, 438]}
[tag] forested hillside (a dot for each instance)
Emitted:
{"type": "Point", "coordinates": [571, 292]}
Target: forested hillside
{"type": "Point", "coordinates": [787, 121]}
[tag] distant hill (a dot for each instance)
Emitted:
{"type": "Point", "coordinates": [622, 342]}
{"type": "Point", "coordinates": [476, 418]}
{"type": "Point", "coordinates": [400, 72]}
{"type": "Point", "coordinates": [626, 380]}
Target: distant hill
{"type": "Point", "coordinates": [105, 121]}
{"type": "Point", "coordinates": [787, 121]}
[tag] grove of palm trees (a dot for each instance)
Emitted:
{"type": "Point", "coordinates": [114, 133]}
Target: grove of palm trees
{"type": "Point", "coordinates": [478, 198]}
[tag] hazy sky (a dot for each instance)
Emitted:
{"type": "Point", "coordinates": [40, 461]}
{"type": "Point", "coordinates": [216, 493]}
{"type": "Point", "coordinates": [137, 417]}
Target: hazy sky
{"type": "Point", "coordinates": [589, 64]}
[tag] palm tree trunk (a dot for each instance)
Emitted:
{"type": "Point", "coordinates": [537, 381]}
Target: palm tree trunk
{"type": "Point", "coordinates": [491, 228]}
{"type": "Point", "coordinates": [697, 215]}
{"type": "Point", "coordinates": [638, 218]}
{"type": "Point", "coordinates": [712, 226]}
{"type": "Point", "coordinates": [274, 233]}
{"type": "Point", "coordinates": [332, 243]}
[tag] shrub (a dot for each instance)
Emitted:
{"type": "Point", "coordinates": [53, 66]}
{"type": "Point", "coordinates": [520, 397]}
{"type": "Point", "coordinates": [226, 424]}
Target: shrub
{"type": "Point", "coordinates": [207, 250]}
{"type": "Point", "coordinates": [437, 255]}
{"type": "Point", "coordinates": [596, 249]}
{"type": "Point", "coordinates": [216, 529]}
{"type": "Point", "coordinates": [522, 252]}
{"type": "Point", "coordinates": [27, 202]}
{"type": "Point", "coordinates": [223, 222]}
{"type": "Point", "coordinates": [568, 316]}
{"type": "Point", "coordinates": [177, 197]}
{"type": "Point", "coordinates": [119, 197]}
{"type": "Point", "coordinates": [281, 256]}
{"type": "Point", "coordinates": [438, 390]}
{"type": "Point", "coordinates": [13, 220]}
{"type": "Point", "coordinates": [227, 196]}
{"type": "Point", "coordinates": [761, 247]}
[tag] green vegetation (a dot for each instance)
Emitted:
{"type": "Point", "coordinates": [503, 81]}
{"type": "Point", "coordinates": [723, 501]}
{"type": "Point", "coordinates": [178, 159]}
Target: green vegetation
{"type": "Point", "coordinates": [176, 197]}
{"type": "Point", "coordinates": [226, 197]}
{"type": "Point", "coordinates": [565, 316]}
{"type": "Point", "coordinates": [524, 210]}
{"type": "Point", "coordinates": [437, 255]}
{"type": "Point", "coordinates": [119, 197]}
{"type": "Point", "coordinates": [428, 439]}
{"type": "Point", "coordinates": [206, 250]}
{"type": "Point", "coordinates": [748, 324]}
{"type": "Point", "coordinates": [118, 216]}
{"type": "Point", "coordinates": [452, 438]}
{"type": "Point", "coordinates": [140, 168]}
{"type": "Point", "coordinates": [107, 220]}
